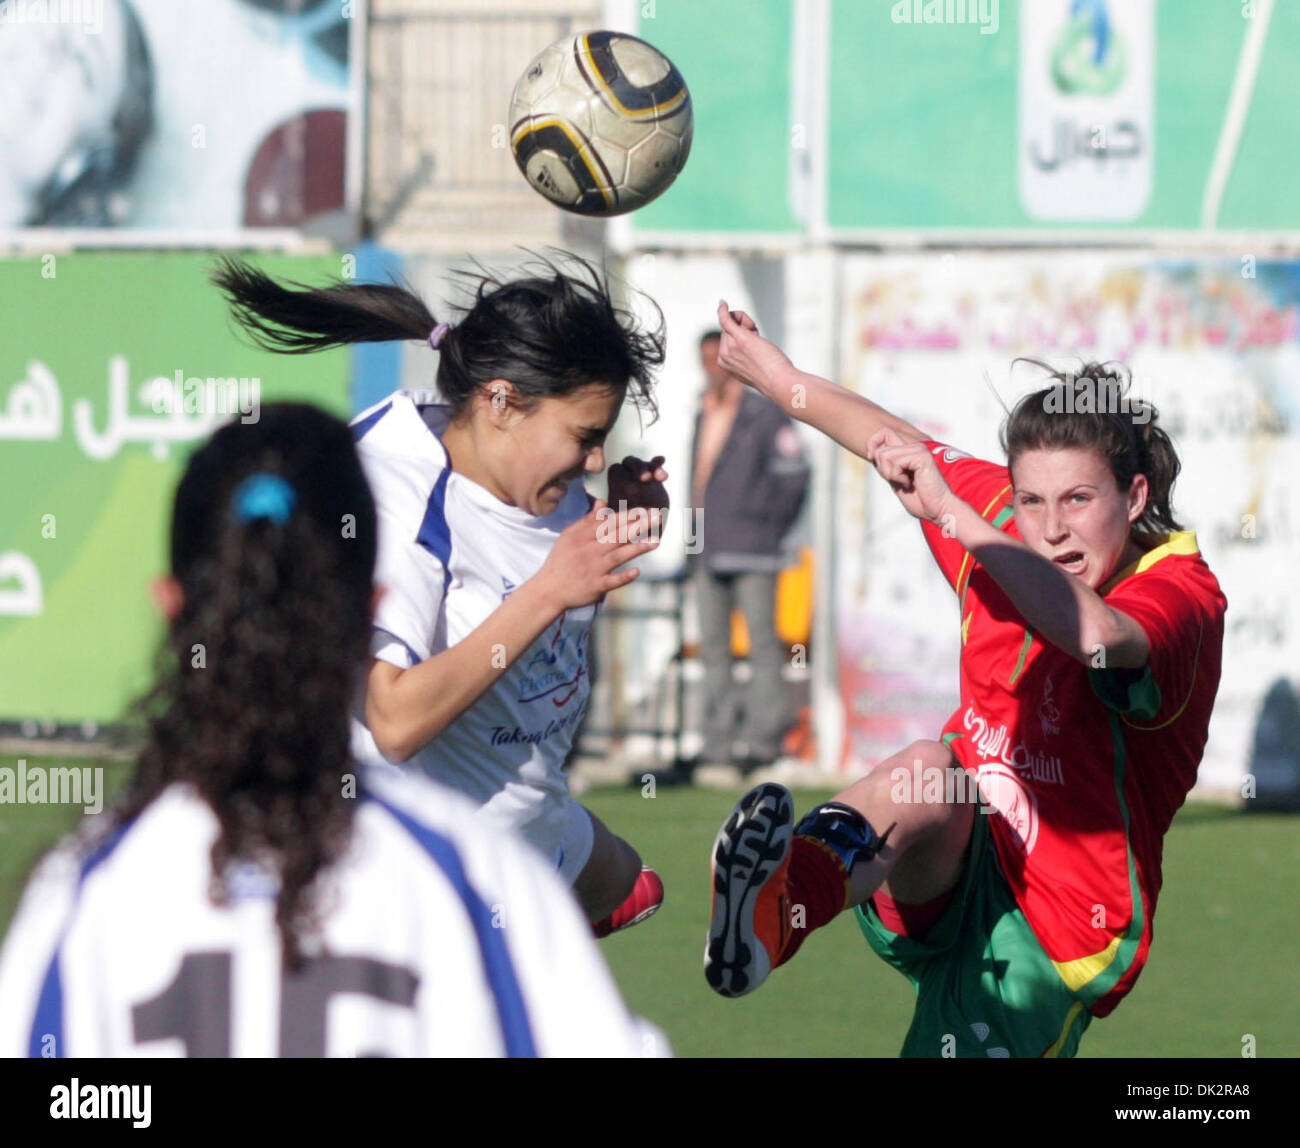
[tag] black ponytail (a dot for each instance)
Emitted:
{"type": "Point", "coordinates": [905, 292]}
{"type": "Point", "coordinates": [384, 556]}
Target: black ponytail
{"type": "Point", "coordinates": [297, 322]}
{"type": "Point", "coordinates": [261, 664]}
{"type": "Point", "coordinates": [1091, 409]}
{"type": "Point", "coordinates": [548, 333]}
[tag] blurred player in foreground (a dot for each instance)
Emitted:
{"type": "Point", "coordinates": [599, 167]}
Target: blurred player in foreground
{"type": "Point", "coordinates": [252, 894]}
{"type": "Point", "coordinates": [1010, 869]}
{"type": "Point", "coordinates": [493, 556]}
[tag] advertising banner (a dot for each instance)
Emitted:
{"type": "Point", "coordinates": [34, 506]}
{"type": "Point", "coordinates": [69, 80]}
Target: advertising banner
{"type": "Point", "coordinates": [862, 120]}
{"type": "Point", "coordinates": [112, 368]}
{"type": "Point", "coordinates": [178, 120]}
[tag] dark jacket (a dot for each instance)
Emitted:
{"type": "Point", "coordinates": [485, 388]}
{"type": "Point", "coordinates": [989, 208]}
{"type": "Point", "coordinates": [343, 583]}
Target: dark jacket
{"type": "Point", "coordinates": [755, 491]}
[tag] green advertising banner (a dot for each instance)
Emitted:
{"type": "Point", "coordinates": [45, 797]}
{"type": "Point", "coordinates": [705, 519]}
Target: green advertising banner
{"type": "Point", "coordinates": [735, 59]}
{"type": "Point", "coordinates": [113, 367]}
{"type": "Point", "coordinates": [981, 115]}
{"type": "Point", "coordinates": [945, 123]}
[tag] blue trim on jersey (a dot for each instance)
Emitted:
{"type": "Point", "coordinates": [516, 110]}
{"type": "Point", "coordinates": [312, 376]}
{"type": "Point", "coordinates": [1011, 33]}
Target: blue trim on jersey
{"type": "Point", "coordinates": [415, 658]}
{"type": "Point", "coordinates": [362, 428]}
{"type": "Point", "coordinates": [48, 1020]}
{"type": "Point", "coordinates": [435, 534]}
{"type": "Point", "coordinates": [515, 1028]}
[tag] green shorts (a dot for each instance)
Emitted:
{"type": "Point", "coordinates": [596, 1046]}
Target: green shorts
{"type": "Point", "coordinates": [984, 985]}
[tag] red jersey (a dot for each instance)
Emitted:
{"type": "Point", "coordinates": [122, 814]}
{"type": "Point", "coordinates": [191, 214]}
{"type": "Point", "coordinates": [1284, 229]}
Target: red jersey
{"type": "Point", "coordinates": [1084, 768]}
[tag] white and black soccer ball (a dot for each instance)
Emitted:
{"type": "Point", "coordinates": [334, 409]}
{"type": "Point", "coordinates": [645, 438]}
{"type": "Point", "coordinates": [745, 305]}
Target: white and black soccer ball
{"type": "Point", "coordinates": [601, 123]}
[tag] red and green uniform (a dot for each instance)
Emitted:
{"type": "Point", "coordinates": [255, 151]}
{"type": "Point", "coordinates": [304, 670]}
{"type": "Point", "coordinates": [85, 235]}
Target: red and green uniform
{"type": "Point", "coordinates": [1083, 767]}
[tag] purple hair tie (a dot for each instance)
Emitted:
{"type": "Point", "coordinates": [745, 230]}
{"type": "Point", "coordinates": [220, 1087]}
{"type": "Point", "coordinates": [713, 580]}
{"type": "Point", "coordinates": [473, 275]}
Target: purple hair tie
{"type": "Point", "coordinates": [435, 336]}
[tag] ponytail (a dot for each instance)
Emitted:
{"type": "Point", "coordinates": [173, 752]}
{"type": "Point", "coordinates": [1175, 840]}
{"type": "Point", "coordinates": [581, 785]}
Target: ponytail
{"type": "Point", "coordinates": [297, 322]}
{"type": "Point", "coordinates": [548, 333]}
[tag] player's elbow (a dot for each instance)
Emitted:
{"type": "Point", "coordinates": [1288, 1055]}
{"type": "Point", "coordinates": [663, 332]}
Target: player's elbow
{"type": "Point", "coordinates": [392, 741]}
{"type": "Point", "coordinates": [399, 738]}
{"type": "Point", "coordinates": [397, 735]}
{"type": "Point", "coordinates": [1114, 641]}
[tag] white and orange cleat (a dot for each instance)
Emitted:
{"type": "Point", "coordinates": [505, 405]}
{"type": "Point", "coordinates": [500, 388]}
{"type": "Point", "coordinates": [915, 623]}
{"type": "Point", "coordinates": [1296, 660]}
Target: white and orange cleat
{"type": "Point", "coordinates": [751, 914]}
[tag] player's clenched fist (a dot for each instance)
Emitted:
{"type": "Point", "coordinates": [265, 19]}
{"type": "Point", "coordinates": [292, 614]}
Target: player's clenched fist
{"type": "Point", "coordinates": [745, 353]}
{"type": "Point", "coordinates": [911, 470]}
{"type": "Point", "coordinates": [637, 483]}
{"type": "Point", "coordinates": [583, 564]}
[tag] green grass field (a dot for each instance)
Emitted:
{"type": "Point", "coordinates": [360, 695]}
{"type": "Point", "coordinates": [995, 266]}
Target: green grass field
{"type": "Point", "coordinates": [1222, 965]}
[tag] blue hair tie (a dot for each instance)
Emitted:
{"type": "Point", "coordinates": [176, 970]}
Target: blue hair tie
{"type": "Point", "coordinates": [263, 496]}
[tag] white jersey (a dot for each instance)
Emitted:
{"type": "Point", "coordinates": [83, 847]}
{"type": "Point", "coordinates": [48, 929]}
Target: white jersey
{"type": "Point", "coordinates": [438, 938]}
{"type": "Point", "coordinates": [450, 553]}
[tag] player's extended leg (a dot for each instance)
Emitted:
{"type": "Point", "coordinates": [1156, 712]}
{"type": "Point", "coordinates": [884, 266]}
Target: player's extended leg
{"type": "Point", "coordinates": [614, 888]}
{"type": "Point", "coordinates": [902, 830]}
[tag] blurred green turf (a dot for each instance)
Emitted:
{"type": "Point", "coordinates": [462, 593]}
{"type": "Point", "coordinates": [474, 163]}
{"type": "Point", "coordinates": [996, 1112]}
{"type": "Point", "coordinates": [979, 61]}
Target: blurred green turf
{"type": "Point", "coordinates": [1222, 966]}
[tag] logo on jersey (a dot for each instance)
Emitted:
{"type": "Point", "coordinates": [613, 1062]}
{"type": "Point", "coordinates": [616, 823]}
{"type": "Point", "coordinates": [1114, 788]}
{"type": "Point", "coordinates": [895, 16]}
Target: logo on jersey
{"type": "Point", "coordinates": [557, 668]}
{"type": "Point", "coordinates": [950, 454]}
{"type": "Point", "coordinates": [1003, 790]}
{"type": "Point", "coordinates": [517, 735]}
{"type": "Point", "coordinates": [994, 741]}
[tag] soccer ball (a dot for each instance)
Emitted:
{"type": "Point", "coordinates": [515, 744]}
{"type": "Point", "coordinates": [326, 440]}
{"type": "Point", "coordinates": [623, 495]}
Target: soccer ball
{"type": "Point", "coordinates": [600, 123]}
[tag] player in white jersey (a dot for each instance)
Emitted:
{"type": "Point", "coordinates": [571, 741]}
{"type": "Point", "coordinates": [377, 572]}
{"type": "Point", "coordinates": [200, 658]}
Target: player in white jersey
{"type": "Point", "coordinates": [254, 893]}
{"type": "Point", "coordinates": [493, 555]}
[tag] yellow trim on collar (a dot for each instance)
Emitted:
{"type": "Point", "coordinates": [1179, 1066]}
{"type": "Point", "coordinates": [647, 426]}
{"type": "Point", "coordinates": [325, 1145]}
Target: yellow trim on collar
{"type": "Point", "coordinates": [1180, 542]}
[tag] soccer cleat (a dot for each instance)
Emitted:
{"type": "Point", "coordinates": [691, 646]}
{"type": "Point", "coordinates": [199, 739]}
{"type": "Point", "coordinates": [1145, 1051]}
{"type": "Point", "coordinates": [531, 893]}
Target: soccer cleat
{"type": "Point", "coordinates": [751, 912]}
{"type": "Point", "coordinates": [644, 901]}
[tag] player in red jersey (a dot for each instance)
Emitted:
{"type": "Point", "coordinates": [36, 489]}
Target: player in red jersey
{"type": "Point", "coordinates": [1011, 868]}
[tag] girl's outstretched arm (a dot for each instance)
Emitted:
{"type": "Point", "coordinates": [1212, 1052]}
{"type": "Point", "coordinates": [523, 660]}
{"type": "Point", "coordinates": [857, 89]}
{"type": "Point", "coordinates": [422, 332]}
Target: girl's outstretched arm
{"type": "Point", "coordinates": [848, 418]}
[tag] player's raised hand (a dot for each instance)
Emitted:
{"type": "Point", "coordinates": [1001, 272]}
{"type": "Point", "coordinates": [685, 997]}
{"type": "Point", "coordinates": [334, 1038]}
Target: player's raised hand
{"type": "Point", "coordinates": [636, 483]}
{"type": "Point", "coordinates": [745, 353]}
{"type": "Point", "coordinates": [911, 471]}
{"type": "Point", "coordinates": [582, 566]}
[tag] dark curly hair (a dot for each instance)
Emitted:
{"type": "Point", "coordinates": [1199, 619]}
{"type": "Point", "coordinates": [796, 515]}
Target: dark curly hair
{"type": "Point", "coordinates": [1091, 408]}
{"type": "Point", "coordinates": [262, 662]}
{"type": "Point", "coordinates": [548, 333]}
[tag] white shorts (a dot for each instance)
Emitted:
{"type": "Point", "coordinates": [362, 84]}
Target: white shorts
{"type": "Point", "coordinates": [576, 841]}
{"type": "Point", "coordinates": [554, 824]}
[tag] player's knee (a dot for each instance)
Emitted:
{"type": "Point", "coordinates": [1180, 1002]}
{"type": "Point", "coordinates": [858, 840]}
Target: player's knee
{"type": "Point", "coordinates": [609, 876]}
{"type": "Point", "coordinates": [925, 779]}
{"type": "Point", "coordinates": [928, 754]}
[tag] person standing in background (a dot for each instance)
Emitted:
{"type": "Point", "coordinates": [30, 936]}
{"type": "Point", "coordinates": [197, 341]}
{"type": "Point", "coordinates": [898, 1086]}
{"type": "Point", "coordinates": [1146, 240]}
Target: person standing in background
{"type": "Point", "coordinates": [749, 477]}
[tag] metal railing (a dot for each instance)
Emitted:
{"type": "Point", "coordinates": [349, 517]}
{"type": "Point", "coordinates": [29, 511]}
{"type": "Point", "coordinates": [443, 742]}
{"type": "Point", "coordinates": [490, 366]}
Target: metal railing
{"type": "Point", "coordinates": [438, 155]}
